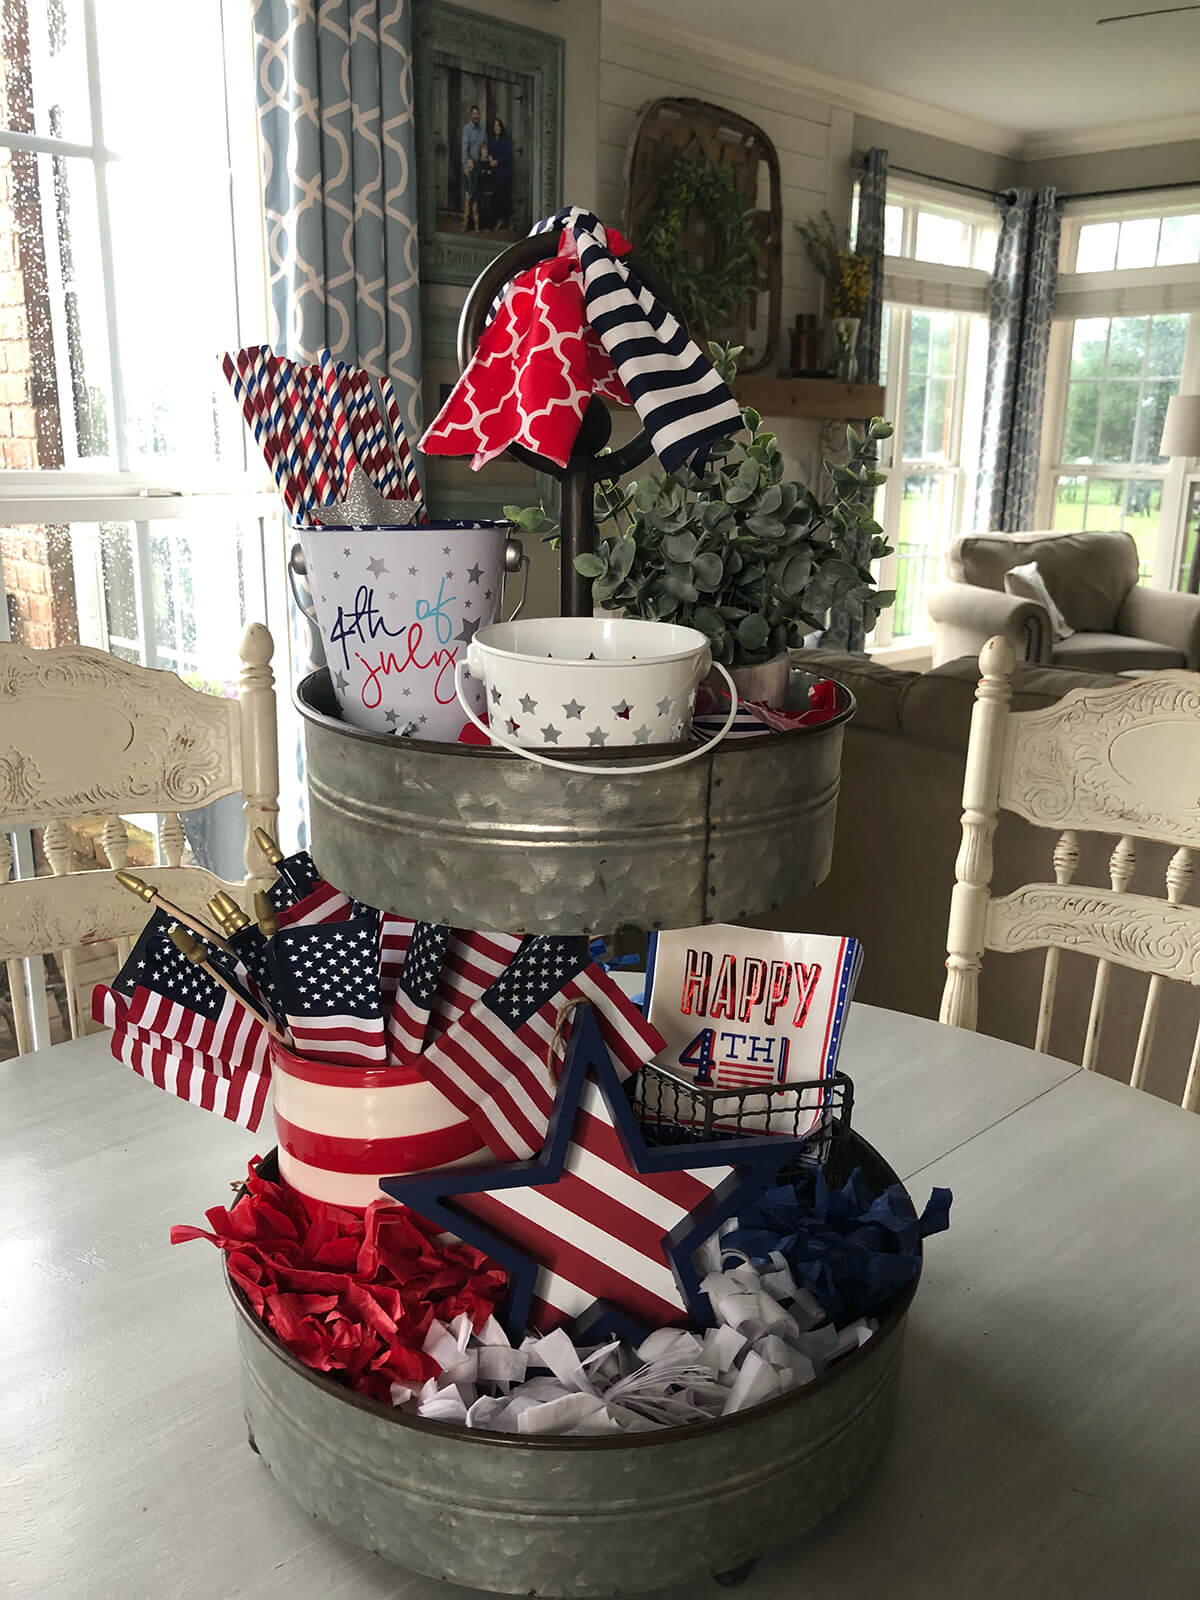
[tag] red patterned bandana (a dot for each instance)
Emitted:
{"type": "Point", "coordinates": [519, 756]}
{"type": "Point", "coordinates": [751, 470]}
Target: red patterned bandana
{"type": "Point", "coordinates": [537, 365]}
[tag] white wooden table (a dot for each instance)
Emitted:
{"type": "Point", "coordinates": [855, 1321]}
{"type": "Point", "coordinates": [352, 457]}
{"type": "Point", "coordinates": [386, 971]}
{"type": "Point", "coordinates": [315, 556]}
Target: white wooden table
{"type": "Point", "coordinates": [1048, 1443]}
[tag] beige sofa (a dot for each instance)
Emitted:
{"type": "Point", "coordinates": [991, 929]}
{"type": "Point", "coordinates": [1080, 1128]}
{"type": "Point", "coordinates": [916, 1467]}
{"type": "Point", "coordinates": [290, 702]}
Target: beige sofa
{"type": "Point", "coordinates": [1092, 578]}
{"type": "Point", "coordinates": [893, 868]}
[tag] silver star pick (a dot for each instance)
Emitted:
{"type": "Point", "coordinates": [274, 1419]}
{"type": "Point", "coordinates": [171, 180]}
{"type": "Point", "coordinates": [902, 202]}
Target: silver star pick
{"type": "Point", "coordinates": [365, 507]}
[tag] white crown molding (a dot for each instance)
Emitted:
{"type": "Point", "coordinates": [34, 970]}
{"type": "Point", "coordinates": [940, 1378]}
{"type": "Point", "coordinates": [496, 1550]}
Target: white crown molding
{"type": "Point", "coordinates": [638, 27]}
{"type": "Point", "coordinates": [1110, 136]}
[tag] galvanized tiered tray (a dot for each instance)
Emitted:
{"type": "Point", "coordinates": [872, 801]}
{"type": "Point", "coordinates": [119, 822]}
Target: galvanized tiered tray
{"type": "Point", "coordinates": [478, 838]}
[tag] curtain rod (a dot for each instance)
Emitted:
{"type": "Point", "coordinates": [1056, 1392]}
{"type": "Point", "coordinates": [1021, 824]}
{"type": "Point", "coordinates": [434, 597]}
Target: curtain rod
{"type": "Point", "coordinates": [1003, 194]}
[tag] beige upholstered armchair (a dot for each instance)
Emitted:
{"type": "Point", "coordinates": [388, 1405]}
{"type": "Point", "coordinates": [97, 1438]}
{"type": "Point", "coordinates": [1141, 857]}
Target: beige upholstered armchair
{"type": "Point", "coordinates": [1091, 578]}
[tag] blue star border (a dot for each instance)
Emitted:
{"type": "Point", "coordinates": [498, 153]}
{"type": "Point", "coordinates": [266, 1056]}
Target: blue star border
{"type": "Point", "coordinates": [756, 1161]}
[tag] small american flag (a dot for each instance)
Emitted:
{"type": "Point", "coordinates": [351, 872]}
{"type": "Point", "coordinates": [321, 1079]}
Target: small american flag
{"type": "Point", "coordinates": [240, 1094]}
{"type": "Point", "coordinates": [302, 897]}
{"type": "Point", "coordinates": [491, 1064]}
{"type": "Point", "coordinates": [179, 1003]}
{"type": "Point", "coordinates": [473, 963]}
{"type": "Point", "coordinates": [408, 1019]}
{"type": "Point", "coordinates": [395, 934]}
{"type": "Point", "coordinates": [328, 977]}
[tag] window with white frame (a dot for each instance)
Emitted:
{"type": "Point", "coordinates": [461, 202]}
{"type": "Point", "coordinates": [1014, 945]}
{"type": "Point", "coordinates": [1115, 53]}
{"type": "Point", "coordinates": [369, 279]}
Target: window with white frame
{"type": "Point", "coordinates": [130, 255]}
{"type": "Point", "coordinates": [939, 256]}
{"type": "Point", "coordinates": [1126, 338]}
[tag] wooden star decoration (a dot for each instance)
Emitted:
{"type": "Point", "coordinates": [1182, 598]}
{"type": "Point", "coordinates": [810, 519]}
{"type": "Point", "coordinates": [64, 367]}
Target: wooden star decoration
{"type": "Point", "coordinates": [365, 507]}
{"type": "Point", "coordinates": [599, 1231]}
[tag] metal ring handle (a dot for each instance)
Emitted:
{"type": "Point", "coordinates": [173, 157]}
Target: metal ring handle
{"type": "Point", "coordinates": [495, 276]}
{"type": "Point", "coordinates": [591, 770]}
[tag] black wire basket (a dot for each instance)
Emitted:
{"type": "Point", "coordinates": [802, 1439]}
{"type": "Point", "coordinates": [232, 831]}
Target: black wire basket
{"type": "Point", "coordinates": [674, 1110]}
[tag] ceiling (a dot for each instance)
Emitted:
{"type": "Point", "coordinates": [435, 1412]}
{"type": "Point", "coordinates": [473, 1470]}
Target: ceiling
{"type": "Point", "coordinates": [1032, 66]}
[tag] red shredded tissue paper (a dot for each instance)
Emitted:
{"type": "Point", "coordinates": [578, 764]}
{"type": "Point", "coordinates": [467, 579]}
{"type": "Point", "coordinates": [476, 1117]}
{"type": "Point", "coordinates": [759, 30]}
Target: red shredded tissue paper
{"type": "Point", "coordinates": [350, 1295]}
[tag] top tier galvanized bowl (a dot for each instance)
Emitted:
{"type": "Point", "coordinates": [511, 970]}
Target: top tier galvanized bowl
{"type": "Point", "coordinates": [478, 838]}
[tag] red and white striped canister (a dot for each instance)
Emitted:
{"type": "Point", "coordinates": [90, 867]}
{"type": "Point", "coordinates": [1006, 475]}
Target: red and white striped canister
{"type": "Point", "coordinates": [342, 1129]}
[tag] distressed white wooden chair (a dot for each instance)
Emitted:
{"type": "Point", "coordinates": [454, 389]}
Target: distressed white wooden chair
{"type": "Point", "coordinates": [83, 732]}
{"type": "Point", "coordinates": [1121, 760]}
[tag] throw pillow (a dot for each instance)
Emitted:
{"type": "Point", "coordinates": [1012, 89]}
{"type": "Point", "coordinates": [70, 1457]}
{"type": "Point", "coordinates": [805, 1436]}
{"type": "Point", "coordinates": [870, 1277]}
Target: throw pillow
{"type": "Point", "coordinates": [1027, 583]}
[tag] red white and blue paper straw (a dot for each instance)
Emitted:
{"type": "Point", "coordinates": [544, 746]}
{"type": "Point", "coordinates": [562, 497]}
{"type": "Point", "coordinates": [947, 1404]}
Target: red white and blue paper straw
{"type": "Point", "coordinates": [315, 423]}
{"type": "Point", "coordinates": [400, 444]}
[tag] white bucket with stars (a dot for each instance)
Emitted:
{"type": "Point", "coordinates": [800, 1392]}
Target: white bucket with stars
{"type": "Point", "coordinates": [397, 608]}
{"type": "Point", "coordinates": [589, 683]}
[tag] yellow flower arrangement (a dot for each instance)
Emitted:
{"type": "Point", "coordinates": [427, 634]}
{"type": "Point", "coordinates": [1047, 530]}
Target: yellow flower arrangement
{"type": "Point", "coordinates": [846, 272]}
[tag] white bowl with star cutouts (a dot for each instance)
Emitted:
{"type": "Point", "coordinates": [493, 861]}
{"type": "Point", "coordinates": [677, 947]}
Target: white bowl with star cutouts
{"type": "Point", "coordinates": [589, 683]}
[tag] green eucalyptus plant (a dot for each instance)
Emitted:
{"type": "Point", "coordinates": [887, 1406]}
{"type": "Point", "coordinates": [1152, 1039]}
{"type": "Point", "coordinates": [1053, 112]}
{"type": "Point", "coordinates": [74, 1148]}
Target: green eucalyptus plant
{"type": "Point", "coordinates": [752, 561]}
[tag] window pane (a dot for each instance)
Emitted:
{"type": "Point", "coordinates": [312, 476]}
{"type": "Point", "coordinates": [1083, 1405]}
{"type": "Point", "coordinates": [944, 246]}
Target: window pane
{"type": "Point", "coordinates": [1118, 413]}
{"type": "Point", "coordinates": [946, 240]}
{"type": "Point", "coordinates": [1097, 247]}
{"type": "Point", "coordinates": [45, 70]}
{"type": "Point", "coordinates": [1168, 335]}
{"type": "Point", "coordinates": [1127, 347]}
{"type": "Point", "coordinates": [54, 353]}
{"type": "Point", "coordinates": [926, 519]}
{"type": "Point", "coordinates": [983, 253]}
{"type": "Point", "coordinates": [82, 584]}
{"type": "Point", "coordinates": [942, 343]}
{"type": "Point", "coordinates": [1180, 241]}
{"type": "Point", "coordinates": [935, 445]}
{"type": "Point", "coordinates": [176, 404]}
{"type": "Point", "coordinates": [1138, 244]}
{"type": "Point", "coordinates": [1088, 346]}
{"type": "Point", "coordinates": [1070, 503]}
{"type": "Point", "coordinates": [1083, 411]}
{"type": "Point", "coordinates": [1152, 413]}
{"type": "Point", "coordinates": [914, 417]}
{"type": "Point", "coordinates": [893, 230]}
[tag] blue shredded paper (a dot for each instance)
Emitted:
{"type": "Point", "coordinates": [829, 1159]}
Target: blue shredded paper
{"type": "Point", "coordinates": [851, 1248]}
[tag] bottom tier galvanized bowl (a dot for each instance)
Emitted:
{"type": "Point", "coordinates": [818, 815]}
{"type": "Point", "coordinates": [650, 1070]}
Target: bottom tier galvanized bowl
{"type": "Point", "coordinates": [568, 1517]}
{"type": "Point", "coordinates": [479, 838]}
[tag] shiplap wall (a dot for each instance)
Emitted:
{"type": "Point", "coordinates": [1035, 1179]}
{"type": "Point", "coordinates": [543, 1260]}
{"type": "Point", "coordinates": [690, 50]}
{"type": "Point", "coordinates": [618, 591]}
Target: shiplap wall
{"type": "Point", "coordinates": [813, 139]}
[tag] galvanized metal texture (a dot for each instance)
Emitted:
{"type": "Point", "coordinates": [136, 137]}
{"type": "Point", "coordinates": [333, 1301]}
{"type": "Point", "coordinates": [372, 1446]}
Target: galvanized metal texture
{"type": "Point", "coordinates": [478, 838]}
{"type": "Point", "coordinates": [572, 1517]}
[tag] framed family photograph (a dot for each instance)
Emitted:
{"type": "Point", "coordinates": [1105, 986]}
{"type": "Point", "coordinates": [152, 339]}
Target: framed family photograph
{"type": "Point", "coordinates": [489, 135]}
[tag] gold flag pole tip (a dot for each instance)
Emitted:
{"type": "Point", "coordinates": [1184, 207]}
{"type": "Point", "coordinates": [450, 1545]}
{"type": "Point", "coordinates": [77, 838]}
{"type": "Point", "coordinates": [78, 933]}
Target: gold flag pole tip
{"type": "Point", "coordinates": [138, 886]}
{"type": "Point", "coordinates": [268, 846]}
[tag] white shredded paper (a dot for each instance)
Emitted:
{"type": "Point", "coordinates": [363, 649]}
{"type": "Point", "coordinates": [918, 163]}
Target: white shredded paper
{"type": "Point", "coordinates": [770, 1337]}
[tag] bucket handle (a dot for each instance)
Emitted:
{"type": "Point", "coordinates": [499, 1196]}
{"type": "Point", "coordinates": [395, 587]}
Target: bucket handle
{"type": "Point", "coordinates": [589, 769]}
{"type": "Point", "coordinates": [514, 558]}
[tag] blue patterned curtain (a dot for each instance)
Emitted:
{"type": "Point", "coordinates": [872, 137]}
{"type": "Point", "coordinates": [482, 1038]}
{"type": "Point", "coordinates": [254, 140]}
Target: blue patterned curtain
{"type": "Point", "coordinates": [1022, 306]}
{"type": "Point", "coordinates": [335, 113]}
{"type": "Point", "coordinates": [334, 85]}
{"type": "Point", "coordinates": [845, 631]}
{"type": "Point", "coordinates": [872, 197]}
